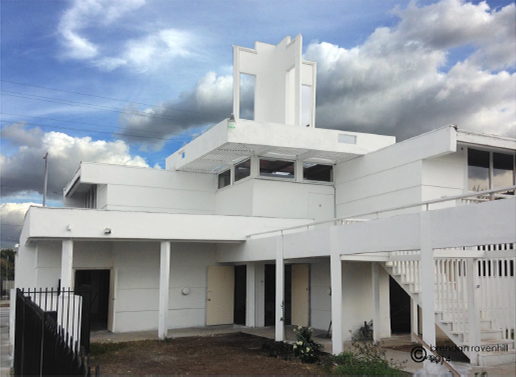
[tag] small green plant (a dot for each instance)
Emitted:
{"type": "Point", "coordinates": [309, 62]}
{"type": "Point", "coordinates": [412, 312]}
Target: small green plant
{"type": "Point", "coordinates": [305, 348]}
{"type": "Point", "coordinates": [365, 332]}
{"type": "Point", "coordinates": [366, 358]}
{"type": "Point", "coordinates": [168, 340]}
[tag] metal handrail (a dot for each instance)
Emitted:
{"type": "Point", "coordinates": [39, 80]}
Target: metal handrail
{"type": "Point", "coordinates": [426, 204]}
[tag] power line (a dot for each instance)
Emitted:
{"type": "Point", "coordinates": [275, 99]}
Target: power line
{"type": "Point", "coordinates": [98, 132]}
{"type": "Point", "coordinates": [88, 124]}
{"type": "Point", "coordinates": [88, 105]}
{"type": "Point", "coordinates": [111, 98]}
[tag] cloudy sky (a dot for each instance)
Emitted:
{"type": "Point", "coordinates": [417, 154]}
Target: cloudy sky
{"type": "Point", "coordinates": [131, 81]}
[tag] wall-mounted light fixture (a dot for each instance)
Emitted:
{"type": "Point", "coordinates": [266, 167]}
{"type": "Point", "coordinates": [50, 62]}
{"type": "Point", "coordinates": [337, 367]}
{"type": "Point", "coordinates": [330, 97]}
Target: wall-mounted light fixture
{"type": "Point", "coordinates": [107, 231]}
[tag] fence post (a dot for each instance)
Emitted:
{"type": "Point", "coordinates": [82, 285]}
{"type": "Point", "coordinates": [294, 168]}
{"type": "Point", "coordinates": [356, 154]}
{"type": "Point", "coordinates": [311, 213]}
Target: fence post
{"type": "Point", "coordinates": [85, 292]}
{"type": "Point", "coordinates": [18, 334]}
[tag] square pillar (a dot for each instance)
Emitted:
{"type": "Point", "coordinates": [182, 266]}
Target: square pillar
{"type": "Point", "coordinates": [337, 339]}
{"type": "Point", "coordinates": [377, 328]}
{"type": "Point", "coordinates": [164, 284]}
{"type": "Point", "coordinates": [67, 264]}
{"type": "Point", "coordinates": [250, 320]}
{"type": "Point", "coordinates": [427, 269]}
{"type": "Point", "coordinates": [280, 291]}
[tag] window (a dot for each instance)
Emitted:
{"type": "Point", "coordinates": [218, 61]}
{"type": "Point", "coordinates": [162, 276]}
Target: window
{"type": "Point", "coordinates": [478, 170]}
{"type": "Point", "coordinates": [247, 85]}
{"type": "Point", "coordinates": [316, 172]}
{"type": "Point", "coordinates": [489, 170]}
{"type": "Point", "coordinates": [90, 198]}
{"type": "Point", "coordinates": [225, 178]}
{"type": "Point", "coordinates": [277, 169]}
{"type": "Point", "coordinates": [243, 170]}
{"type": "Point", "coordinates": [503, 170]}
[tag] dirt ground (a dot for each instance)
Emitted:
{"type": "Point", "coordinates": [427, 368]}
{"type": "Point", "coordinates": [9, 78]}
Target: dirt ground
{"type": "Point", "coordinates": [235, 353]}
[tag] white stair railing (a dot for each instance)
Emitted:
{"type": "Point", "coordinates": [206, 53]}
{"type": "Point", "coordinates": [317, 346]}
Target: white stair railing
{"type": "Point", "coordinates": [497, 285]}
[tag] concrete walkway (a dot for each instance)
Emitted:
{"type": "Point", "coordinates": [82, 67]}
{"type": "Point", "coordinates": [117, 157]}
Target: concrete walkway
{"type": "Point", "coordinates": [5, 346]}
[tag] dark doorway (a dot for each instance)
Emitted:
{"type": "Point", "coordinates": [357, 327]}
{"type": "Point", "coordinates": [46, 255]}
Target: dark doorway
{"type": "Point", "coordinates": [98, 280]}
{"type": "Point", "coordinates": [270, 294]}
{"type": "Point", "coordinates": [240, 295]}
{"type": "Point", "coordinates": [400, 308]}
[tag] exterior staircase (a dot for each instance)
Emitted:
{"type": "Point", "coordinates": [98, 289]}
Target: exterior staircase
{"type": "Point", "coordinates": [451, 305]}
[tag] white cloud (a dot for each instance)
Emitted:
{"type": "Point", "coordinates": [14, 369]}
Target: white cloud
{"type": "Point", "coordinates": [24, 169]}
{"type": "Point", "coordinates": [140, 54]}
{"type": "Point", "coordinates": [11, 218]}
{"type": "Point", "coordinates": [396, 82]}
{"type": "Point", "coordinates": [150, 51]}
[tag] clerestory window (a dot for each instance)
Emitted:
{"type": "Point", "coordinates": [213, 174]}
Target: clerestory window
{"type": "Point", "coordinates": [490, 170]}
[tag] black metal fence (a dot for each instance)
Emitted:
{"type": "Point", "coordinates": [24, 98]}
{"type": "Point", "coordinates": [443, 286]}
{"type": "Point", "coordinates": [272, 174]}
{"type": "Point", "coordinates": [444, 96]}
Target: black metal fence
{"type": "Point", "coordinates": [52, 334]}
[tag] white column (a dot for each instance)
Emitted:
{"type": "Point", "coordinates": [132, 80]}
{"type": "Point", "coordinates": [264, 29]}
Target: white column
{"type": "Point", "coordinates": [427, 279]}
{"type": "Point", "coordinates": [251, 295]}
{"type": "Point", "coordinates": [375, 273]}
{"type": "Point", "coordinates": [164, 283]}
{"type": "Point", "coordinates": [67, 264]}
{"type": "Point", "coordinates": [280, 291]}
{"type": "Point", "coordinates": [336, 293]}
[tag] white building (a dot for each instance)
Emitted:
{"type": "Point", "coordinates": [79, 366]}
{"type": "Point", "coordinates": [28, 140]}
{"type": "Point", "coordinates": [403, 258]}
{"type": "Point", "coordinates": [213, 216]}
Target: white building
{"type": "Point", "coordinates": [241, 226]}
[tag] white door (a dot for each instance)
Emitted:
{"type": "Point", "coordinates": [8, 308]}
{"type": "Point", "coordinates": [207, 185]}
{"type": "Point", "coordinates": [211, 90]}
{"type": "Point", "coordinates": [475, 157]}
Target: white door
{"type": "Point", "coordinates": [300, 292]}
{"type": "Point", "coordinates": [220, 295]}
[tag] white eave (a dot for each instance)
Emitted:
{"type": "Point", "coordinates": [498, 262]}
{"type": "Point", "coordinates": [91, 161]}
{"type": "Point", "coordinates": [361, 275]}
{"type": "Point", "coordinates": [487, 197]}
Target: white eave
{"type": "Point", "coordinates": [222, 147]}
{"type": "Point", "coordinates": [495, 141]}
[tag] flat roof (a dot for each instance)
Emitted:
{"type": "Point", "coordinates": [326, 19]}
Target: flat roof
{"type": "Point", "coordinates": [221, 147]}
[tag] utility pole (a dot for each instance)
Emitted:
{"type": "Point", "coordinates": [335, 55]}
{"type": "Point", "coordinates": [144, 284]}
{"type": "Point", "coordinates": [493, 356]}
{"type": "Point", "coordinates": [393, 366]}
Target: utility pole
{"type": "Point", "coordinates": [45, 157]}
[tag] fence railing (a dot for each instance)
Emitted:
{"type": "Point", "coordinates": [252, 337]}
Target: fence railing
{"type": "Point", "coordinates": [52, 332]}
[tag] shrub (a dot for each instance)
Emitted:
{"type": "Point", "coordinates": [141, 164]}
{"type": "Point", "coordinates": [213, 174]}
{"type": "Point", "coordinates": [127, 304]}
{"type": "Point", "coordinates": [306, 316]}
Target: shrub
{"type": "Point", "coordinates": [305, 348]}
{"type": "Point", "coordinates": [365, 359]}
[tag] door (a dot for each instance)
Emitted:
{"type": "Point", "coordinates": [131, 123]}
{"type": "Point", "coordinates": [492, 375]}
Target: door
{"type": "Point", "coordinates": [300, 294]}
{"type": "Point", "coordinates": [240, 295]}
{"type": "Point", "coordinates": [220, 295]}
{"type": "Point", "coordinates": [99, 282]}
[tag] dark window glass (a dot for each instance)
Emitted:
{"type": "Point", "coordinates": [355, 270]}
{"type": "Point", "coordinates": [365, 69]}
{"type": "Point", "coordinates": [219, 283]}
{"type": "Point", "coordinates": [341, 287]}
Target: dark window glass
{"type": "Point", "coordinates": [503, 170]}
{"type": "Point", "coordinates": [316, 172]}
{"type": "Point", "coordinates": [242, 170]}
{"type": "Point", "coordinates": [478, 170]}
{"type": "Point", "coordinates": [225, 179]}
{"type": "Point", "coordinates": [277, 169]}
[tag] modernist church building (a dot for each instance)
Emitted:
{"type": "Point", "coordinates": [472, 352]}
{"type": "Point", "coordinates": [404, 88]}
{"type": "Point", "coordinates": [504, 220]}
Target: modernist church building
{"type": "Point", "coordinates": [275, 221]}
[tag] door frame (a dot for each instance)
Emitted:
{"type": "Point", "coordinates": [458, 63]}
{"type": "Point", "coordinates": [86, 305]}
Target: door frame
{"type": "Point", "coordinates": [112, 290]}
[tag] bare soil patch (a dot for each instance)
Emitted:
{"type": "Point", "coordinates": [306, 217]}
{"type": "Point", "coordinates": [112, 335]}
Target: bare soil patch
{"type": "Point", "coordinates": [236, 353]}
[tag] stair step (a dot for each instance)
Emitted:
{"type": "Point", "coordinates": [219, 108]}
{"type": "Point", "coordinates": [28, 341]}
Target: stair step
{"type": "Point", "coordinates": [496, 358]}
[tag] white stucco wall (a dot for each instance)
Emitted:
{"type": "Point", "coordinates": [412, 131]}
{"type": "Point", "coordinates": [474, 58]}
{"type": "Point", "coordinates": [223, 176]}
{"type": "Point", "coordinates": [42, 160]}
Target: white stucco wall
{"type": "Point", "coordinates": [392, 176]}
{"type": "Point", "coordinates": [132, 188]}
{"type": "Point", "coordinates": [357, 298]}
{"type": "Point", "coordinates": [137, 266]}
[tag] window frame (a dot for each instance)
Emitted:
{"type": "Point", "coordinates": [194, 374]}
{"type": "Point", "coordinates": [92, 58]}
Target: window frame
{"type": "Point", "coordinates": [278, 178]}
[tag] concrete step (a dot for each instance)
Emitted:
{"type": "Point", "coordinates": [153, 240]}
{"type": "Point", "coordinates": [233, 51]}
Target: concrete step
{"type": "Point", "coordinates": [489, 335]}
{"type": "Point", "coordinates": [486, 359]}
